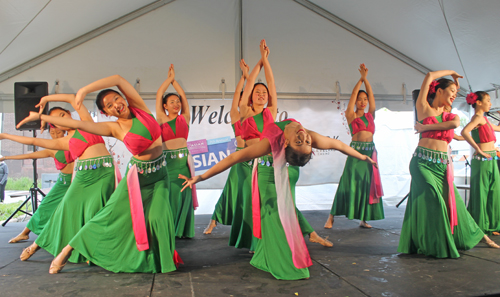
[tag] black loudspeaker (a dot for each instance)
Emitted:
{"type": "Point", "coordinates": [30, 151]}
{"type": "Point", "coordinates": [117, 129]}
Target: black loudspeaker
{"type": "Point", "coordinates": [415, 97]}
{"type": "Point", "coordinates": [26, 96]}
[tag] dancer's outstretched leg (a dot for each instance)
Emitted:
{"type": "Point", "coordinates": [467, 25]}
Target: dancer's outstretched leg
{"type": "Point", "coordinates": [22, 236]}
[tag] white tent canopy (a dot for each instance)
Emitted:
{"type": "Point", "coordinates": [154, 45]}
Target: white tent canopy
{"type": "Point", "coordinates": [313, 44]}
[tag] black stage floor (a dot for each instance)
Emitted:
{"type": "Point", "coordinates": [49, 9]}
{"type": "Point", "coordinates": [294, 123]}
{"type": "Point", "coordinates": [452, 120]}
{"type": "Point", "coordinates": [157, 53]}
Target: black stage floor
{"type": "Point", "coordinates": [362, 263]}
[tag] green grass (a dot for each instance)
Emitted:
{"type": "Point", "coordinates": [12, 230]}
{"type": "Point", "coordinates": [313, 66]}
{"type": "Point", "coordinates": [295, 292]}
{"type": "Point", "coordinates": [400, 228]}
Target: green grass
{"type": "Point", "coordinates": [19, 184]}
{"type": "Point", "coordinates": [7, 209]}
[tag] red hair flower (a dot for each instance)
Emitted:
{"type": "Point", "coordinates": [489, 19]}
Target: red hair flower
{"type": "Point", "coordinates": [471, 98]}
{"type": "Point", "coordinates": [432, 87]}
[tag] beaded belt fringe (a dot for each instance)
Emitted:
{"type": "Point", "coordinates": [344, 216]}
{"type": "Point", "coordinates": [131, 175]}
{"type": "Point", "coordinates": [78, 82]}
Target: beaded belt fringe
{"type": "Point", "coordinates": [362, 145]}
{"type": "Point", "coordinates": [94, 163]}
{"type": "Point", "coordinates": [144, 167]}
{"type": "Point", "coordinates": [431, 155]}
{"type": "Point", "coordinates": [178, 153]}
{"type": "Point", "coordinates": [493, 155]}
{"type": "Point", "coordinates": [64, 177]}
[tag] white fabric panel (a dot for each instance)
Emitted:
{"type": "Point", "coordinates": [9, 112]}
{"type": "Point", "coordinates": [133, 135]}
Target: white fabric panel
{"type": "Point", "coordinates": [418, 29]}
{"type": "Point", "coordinates": [198, 37]}
{"type": "Point", "coordinates": [59, 22]}
{"type": "Point", "coordinates": [309, 53]}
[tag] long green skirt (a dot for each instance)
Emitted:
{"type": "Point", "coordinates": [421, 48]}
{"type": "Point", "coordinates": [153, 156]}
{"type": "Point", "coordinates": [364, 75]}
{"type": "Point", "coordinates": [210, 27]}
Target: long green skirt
{"type": "Point", "coordinates": [484, 203]}
{"type": "Point", "coordinates": [225, 206]}
{"type": "Point", "coordinates": [241, 235]}
{"type": "Point", "coordinates": [108, 239]}
{"type": "Point", "coordinates": [181, 203]}
{"type": "Point", "coordinates": [273, 253]}
{"type": "Point", "coordinates": [353, 193]}
{"type": "Point", "coordinates": [426, 225]}
{"type": "Point", "coordinates": [49, 204]}
{"type": "Point", "coordinates": [88, 193]}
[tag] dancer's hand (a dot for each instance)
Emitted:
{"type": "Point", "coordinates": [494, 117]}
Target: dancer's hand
{"type": "Point", "coordinates": [363, 71]}
{"type": "Point", "coordinates": [264, 50]}
{"type": "Point", "coordinates": [487, 156]}
{"type": "Point", "coordinates": [370, 161]}
{"type": "Point", "coordinates": [419, 127]}
{"type": "Point", "coordinates": [34, 116]}
{"type": "Point", "coordinates": [456, 76]}
{"type": "Point", "coordinates": [171, 72]}
{"type": "Point", "coordinates": [189, 181]}
{"type": "Point", "coordinates": [244, 68]}
{"type": "Point", "coordinates": [41, 105]}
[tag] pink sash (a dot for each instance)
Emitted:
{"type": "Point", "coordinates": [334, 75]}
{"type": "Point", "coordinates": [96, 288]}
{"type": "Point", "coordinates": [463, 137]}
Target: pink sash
{"type": "Point", "coordinates": [452, 206]}
{"type": "Point", "coordinates": [193, 187]}
{"type": "Point", "coordinates": [118, 175]}
{"type": "Point", "coordinates": [376, 191]}
{"type": "Point", "coordinates": [257, 231]}
{"type": "Point", "coordinates": [136, 209]}
{"type": "Point", "coordinates": [286, 206]}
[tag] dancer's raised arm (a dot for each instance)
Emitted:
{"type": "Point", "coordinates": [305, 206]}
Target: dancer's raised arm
{"type": "Point", "coordinates": [272, 104]}
{"type": "Point", "coordinates": [422, 105]}
{"type": "Point", "coordinates": [184, 103]}
{"type": "Point", "coordinates": [131, 94]}
{"type": "Point", "coordinates": [371, 99]}
{"type": "Point", "coordinates": [235, 113]}
{"type": "Point", "coordinates": [350, 112]}
{"type": "Point", "coordinates": [161, 116]}
{"type": "Point", "coordinates": [247, 91]}
{"type": "Point", "coordinates": [68, 98]}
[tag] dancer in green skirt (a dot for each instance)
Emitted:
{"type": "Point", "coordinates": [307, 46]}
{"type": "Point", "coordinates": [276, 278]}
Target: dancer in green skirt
{"type": "Point", "coordinates": [281, 250]}
{"type": "Point", "coordinates": [359, 193]}
{"type": "Point", "coordinates": [484, 203]}
{"type": "Point", "coordinates": [230, 202]}
{"type": "Point", "coordinates": [436, 222]}
{"type": "Point", "coordinates": [64, 163]}
{"type": "Point", "coordinates": [174, 134]}
{"type": "Point", "coordinates": [134, 232]}
{"type": "Point", "coordinates": [94, 174]}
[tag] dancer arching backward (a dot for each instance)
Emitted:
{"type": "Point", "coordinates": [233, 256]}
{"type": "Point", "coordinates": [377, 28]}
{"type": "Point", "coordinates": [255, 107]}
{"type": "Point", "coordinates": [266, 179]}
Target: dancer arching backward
{"type": "Point", "coordinates": [94, 174]}
{"type": "Point", "coordinates": [64, 163]}
{"type": "Point", "coordinates": [281, 250]}
{"type": "Point", "coordinates": [436, 222]}
{"type": "Point", "coordinates": [360, 190]}
{"type": "Point", "coordinates": [255, 117]}
{"type": "Point", "coordinates": [484, 203]}
{"type": "Point", "coordinates": [230, 203]}
{"type": "Point", "coordinates": [134, 232]}
{"type": "Point", "coordinates": [174, 134]}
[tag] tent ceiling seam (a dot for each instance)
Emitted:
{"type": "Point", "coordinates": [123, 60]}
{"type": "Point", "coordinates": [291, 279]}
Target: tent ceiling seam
{"type": "Point", "coordinates": [82, 39]}
{"type": "Point", "coordinates": [22, 30]}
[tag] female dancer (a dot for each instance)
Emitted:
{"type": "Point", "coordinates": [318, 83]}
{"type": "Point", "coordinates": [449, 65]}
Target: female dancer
{"type": "Point", "coordinates": [281, 250]}
{"type": "Point", "coordinates": [174, 134]}
{"type": "Point", "coordinates": [484, 205]}
{"type": "Point", "coordinates": [64, 163]}
{"type": "Point", "coordinates": [436, 222]}
{"type": "Point", "coordinates": [360, 190]}
{"type": "Point", "coordinates": [134, 232]}
{"type": "Point", "coordinates": [255, 117]}
{"type": "Point", "coordinates": [94, 174]}
{"type": "Point", "coordinates": [230, 203]}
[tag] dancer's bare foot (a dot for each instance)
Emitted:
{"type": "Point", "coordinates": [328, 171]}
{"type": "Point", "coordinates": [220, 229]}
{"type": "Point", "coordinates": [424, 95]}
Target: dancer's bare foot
{"type": "Point", "coordinates": [314, 237]}
{"type": "Point", "coordinates": [364, 224]}
{"type": "Point", "coordinates": [490, 242]}
{"type": "Point", "coordinates": [496, 233]}
{"type": "Point", "coordinates": [329, 222]}
{"type": "Point", "coordinates": [58, 263]}
{"type": "Point", "coordinates": [210, 227]}
{"type": "Point", "coordinates": [29, 251]}
{"type": "Point", "coordinates": [19, 237]}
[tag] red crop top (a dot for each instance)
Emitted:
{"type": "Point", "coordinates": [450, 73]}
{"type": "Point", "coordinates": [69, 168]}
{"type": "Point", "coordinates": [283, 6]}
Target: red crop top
{"type": "Point", "coordinates": [63, 158]}
{"type": "Point", "coordinates": [144, 131]}
{"type": "Point", "coordinates": [446, 135]}
{"type": "Point", "coordinates": [484, 133]}
{"type": "Point", "coordinates": [252, 127]}
{"type": "Point", "coordinates": [237, 128]}
{"type": "Point", "coordinates": [82, 140]}
{"type": "Point", "coordinates": [176, 128]}
{"type": "Point", "coordinates": [363, 123]}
